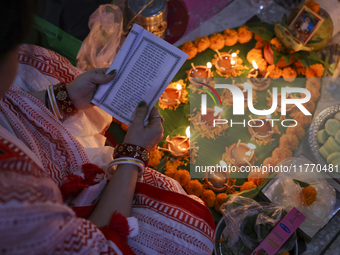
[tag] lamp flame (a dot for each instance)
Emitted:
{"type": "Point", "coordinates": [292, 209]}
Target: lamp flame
{"type": "Point", "coordinates": [179, 87]}
{"type": "Point", "coordinates": [234, 55]}
{"type": "Point", "coordinates": [209, 65]}
{"type": "Point", "coordinates": [187, 131]}
{"type": "Point", "coordinates": [255, 65]}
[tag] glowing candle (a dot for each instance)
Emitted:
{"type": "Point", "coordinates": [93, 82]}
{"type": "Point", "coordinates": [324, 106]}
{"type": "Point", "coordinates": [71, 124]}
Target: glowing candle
{"type": "Point", "coordinates": [226, 63]}
{"type": "Point", "coordinates": [178, 146]}
{"type": "Point", "coordinates": [217, 180]}
{"type": "Point", "coordinates": [258, 78]}
{"type": "Point", "coordinates": [199, 72]}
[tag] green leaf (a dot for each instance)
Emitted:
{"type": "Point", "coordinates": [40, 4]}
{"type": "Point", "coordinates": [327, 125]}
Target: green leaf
{"type": "Point", "coordinates": [287, 58]}
{"type": "Point", "coordinates": [284, 19]}
{"type": "Point", "coordinates": [263, 32]}
{"type": "Point", "coordinates": [276, 57]}
{"type": "Point", "coordinates": [331, 68]}
{"type": "Point", "coordinates": [301, 183]}
{"type": "Point", "coordinates": [303, 59]}
{"type": "Point", "coordinates": [315, 40]}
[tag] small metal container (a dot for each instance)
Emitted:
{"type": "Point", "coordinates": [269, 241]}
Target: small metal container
{"type": "Point", "coordinates": [153, 17]}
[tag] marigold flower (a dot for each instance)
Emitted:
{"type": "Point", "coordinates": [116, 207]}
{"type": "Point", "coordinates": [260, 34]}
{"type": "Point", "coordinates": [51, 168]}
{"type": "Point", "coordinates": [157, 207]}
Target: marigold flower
{"type": "Point", "coordinates": [122, 125]}
{"type": "Point", "coordinates": [289, 74]}
{"type": "Point", "coordinates": [315, 71]}
{"type": "Point", "coordinates": [291, 142]}
{"type": "Point", "coordinates": [308, 195]}
{"type": "Point", "coordinates": [277, 44]}
{"type": "Point", "coordinates": [194, 187]}
{"type": "Point", "coordinates": [208, 196]}
{"type": "Point", "coordinates": [220, 199]}
{"type": "Point", "coordinates": [315, 94]}
{"type": "Point", "coordinates": [190, 49]}
{"type": "Point", "coordinates": [254, 54]}
{"type": "Point", "coordinates": [298, 130]}
{"type": "Point", "coordinates": [202, 43]}
{"type": "Point", "coordinates": [313, 83]}
{"type": "Point", "coordinates": [314, 6]}
{"type": "Point", "coordinates": [216, 41]}
{"type": "Point", "coordinates": [275, 72]}
{"type": "Point", "coordinates": [303, 120]}
{"type": "Point", "coordinates": [262, 64]}
{"type": "Point", "coordinates": [183, 177]}
{"type": "Point", "coordinates": [230, 37]}
{"type": "Point", "coordinates": [260, 43]}
{"type": "Point", "coordinates": [244, 35]}
{"type": "Point", "coordinates": [257, 177]}
{"type": "Point", "coordinates": [270, 161]}
{"type": "Point", "coordinates": [280, 153]}
{"type": "Point", "coordinates": [310, 106]}
{"type": "Point", "coordinates": [155, 157]}
{"type": "Point", "coordinates": [247, 185]}
{"type": "Point", "coordinates": [171, 167]}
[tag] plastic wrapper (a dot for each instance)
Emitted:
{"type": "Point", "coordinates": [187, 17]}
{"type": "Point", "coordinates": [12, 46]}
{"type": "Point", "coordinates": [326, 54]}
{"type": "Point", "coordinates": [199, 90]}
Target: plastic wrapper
{"type": "Point", "coordinates": [287, 188]}
{"type": "Point", "coordinates": [102, 43]}
{"type": "Point", "coordinates": [248, 223]}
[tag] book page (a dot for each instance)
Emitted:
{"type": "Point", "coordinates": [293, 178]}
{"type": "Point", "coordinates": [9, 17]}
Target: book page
{"type": "Point", "coordinates": [145, 66]}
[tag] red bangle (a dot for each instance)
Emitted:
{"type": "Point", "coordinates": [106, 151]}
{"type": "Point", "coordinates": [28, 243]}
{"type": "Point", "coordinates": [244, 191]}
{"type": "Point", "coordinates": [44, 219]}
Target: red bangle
{"type": "Point", "coordinates": [63, 100]}
{"type": "Point", "coordinates": [126, 150]}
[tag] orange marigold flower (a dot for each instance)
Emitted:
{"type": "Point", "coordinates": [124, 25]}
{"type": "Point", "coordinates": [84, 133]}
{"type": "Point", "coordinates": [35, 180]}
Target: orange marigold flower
{"type": "Point", "coordinates": [262, 64]}
{"type": "Point", "coordinates": [315, 94]}
{"type": "Point", "coordinates": [244, 35]}
{"type": "Point", "coordinates": [280, 153]}
{"type": "Point", "coordinates": [314, 6]}
{"type": "Point", "coordinates": [190, 49]}
{"type": "Point", "coordinates": [216, 41]}
{"type": "Point", "coordinates": [275, 72]}
{"type": "Point", "coordinates": [230, 37]}
{"type": "Point", "coordinates": [171, 167]}
{"type": "Point", "coordinates": [270, 161]}
{"type": "Point", "coordinates": [303, 120]}
{"type": "Point", "coordinates": [155, 157]}
{"type": "Point", "coordinates": [313, 83]}
{"type": "Point", "coordinates": [260, 43]}
{"type": "Point", "coordinates": [220, 199]}
{"type": "Point", "coordinates": [299, 67]}
{"type": "Point", "coordinates": [298, 130]}
{"type": "Point", "coordinates": [202, 43]}
{"type": "Point", "coordinates": [289, 74]}
{"type": "Point", "coordinates": [277, 44]}
{"type": "Point", "coordinates": [257, 177]}
{"type": "Point", "coordinates": [310, 106]}
{"type": "Point", "coordinates": [315, 71]}
{"type": "Point", "coordinates": [183, 177]}
{"type": "Point", "coordinates": [208, 196]}
{"type": "Point", "coordinates": [194, 187]}
{"type": "Point", "coordinates": [308, 195]}
{"type": "Point", "coordinates": [254, 54]}
{"type": "Point", "coordinates": [247, 185]}
{"type": "Point", "coordinates": [291, 142]}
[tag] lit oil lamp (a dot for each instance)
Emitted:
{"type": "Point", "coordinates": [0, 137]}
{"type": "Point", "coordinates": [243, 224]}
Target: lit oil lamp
{"type": "Point", "coordinates": [171, 96]}
{"type": "Point", "coordinates": [217, 181]}
{"type": "Point", "coordinates": [261, 129]}
{"type": "Point", "coordinates": [241, 154]}
{"type": "Point", "coordinates": [200, 73]}
{"type": "Point", "coordinates": [258, 78]}
{"type": "Point", "coordinates": [226, 62]}
{"type": "Point", "coordinates": [178, 146]}
{"type": "Point", "coordinates": [210, 116]}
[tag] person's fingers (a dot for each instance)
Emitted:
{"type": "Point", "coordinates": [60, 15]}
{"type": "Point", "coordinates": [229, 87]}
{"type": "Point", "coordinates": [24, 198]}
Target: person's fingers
{"type": "Point", "coordinates": [140, 115]}
{"type": "Point", "coordinates": [98, 76]}
{"type": "Point", "coordinates": [99, 70]}
{"type": "Point", "coordinates": [155, 117]}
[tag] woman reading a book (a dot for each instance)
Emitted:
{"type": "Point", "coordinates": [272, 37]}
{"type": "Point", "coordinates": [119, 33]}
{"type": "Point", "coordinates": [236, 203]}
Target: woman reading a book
{"type": "Point", "coordinates": [52, 155]}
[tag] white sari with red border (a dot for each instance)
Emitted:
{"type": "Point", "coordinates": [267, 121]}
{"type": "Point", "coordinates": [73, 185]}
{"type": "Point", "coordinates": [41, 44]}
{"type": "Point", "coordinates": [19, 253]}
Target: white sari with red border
{"type": "Point", "coordinates": [37, 152]}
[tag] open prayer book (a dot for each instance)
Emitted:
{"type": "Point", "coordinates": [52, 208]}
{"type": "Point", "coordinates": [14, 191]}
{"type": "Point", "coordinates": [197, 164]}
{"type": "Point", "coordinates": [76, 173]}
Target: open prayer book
{"type": "Point", "coordinates": [145, 66]}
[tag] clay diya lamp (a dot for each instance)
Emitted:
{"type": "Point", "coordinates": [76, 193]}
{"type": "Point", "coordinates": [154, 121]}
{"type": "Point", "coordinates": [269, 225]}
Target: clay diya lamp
{"type": "Point", "coordinates": [226, 63]}
{"type": "Point", "coordinates": [217, 181]}
{"type": "Point", "coordinates": [289, 107]}
{"type": "Point", "coordinates": [208, 119]}
{"type": "Point", "coordinates": [241, 154]}
{"type": "Point", "coordinates": [258, 78]}
{"type": "Point", "coordinates": [178, 146]}
{"type": "Point", "coordinates": [200, 73]}
{"type": "Point", "coordinates": [261, 129]}
{"type": "Point", "coordinates": [171, 96]}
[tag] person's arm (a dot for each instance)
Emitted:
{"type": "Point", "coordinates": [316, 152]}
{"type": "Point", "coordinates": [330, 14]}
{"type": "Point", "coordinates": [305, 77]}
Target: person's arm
{"type": "Point", "coordinates": [118, 195]}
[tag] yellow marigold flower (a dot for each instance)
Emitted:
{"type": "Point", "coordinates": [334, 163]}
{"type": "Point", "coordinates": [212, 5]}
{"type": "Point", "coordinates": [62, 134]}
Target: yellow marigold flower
{"type": "Point", "coordinates": [314, 6]}
{"type": "Point", "coordinates": [277, 44]}
{"type": "Point", "coordinates": [194, 187]}
{"type": "Point", "coordinates": [275, 72]}
{"type": "Point", "coordinates": [190, 49]}
{"type": "Point", "coordinates": [208, 196]}
{"type": "Point", "coordinates": [202, 43]}
{"type": "Point", "coordinates": [230, 37]}
{"type": "Point", "coordinates": [155, 157]}
{"type": "Point", "coordinates": [183, 177]}
{"type": "Point", "coordinates": [254, 54]}
{"type": "Point", "coordinates": [247, 185]}
{"type": "Point", "coordinates": [289, 74]}
{"type": "Point", "coordinates": [216, 41]}
{"type": "Point", "coordinates": [244, 35]}
{"type": "Point", "coordinates": [291, 142]}
{"type": "Point", "coordinates": [315, 71]}
{"type": "Point", "coordinates": [220, 199]}
{"type": "Point", "coordinates": [308, 195]}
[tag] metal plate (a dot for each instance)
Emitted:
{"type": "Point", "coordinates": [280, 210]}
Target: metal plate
{"type": "Point", "coordinates": [318, 123]}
